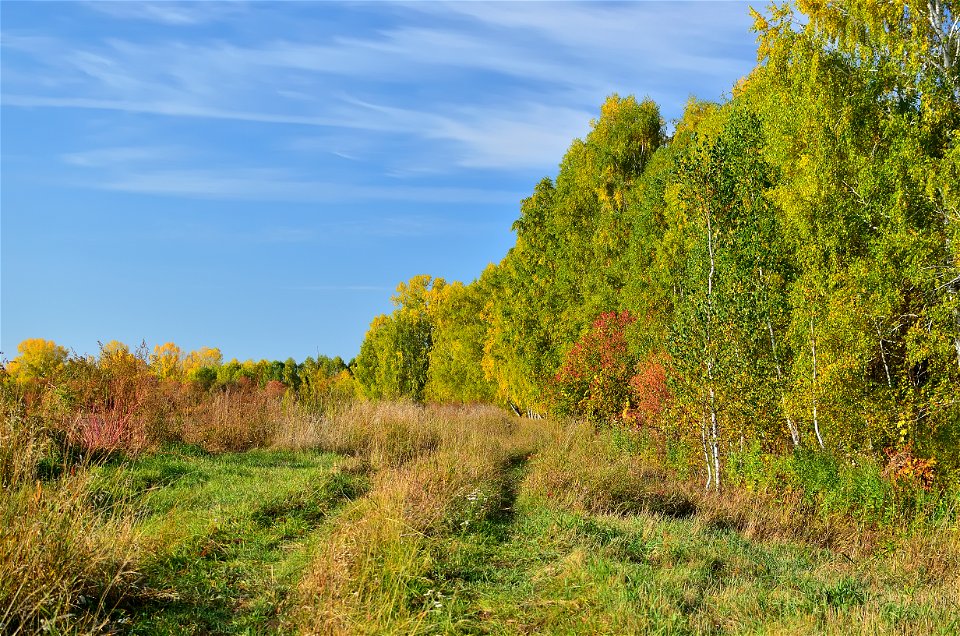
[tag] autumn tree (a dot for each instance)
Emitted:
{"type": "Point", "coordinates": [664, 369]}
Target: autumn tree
{"type": "Point", "coordinates": [39, 359]}
{"type": "Point", "coordinates": [455, 372]}
{"type": "Point", "coordinates": [395, 354]}
{"type": "Point", "coordinates": [166, 361]}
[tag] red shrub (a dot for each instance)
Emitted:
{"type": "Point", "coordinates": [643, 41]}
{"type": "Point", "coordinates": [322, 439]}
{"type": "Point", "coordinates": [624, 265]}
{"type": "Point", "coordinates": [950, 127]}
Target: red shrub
{"type": "Point", "coordinates": [594, 379]}
{"type": "Point", "coordinates": [110, 429]}
{"type": "Point", "coordinates": [649, 393]}
{"type": "Point", "coordinates": [275, 388]}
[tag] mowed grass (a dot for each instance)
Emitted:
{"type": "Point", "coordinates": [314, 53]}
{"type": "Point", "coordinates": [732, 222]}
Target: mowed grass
{"type": "Point", "coordinates": [224, 537]}
{"type": "Point", "coordinates": [442, 520]}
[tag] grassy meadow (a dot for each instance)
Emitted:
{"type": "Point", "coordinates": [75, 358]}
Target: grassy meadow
{"type": "Point", "coordinates": [726, 346]}
{"type": "Point", "coordinates": [394, 518]}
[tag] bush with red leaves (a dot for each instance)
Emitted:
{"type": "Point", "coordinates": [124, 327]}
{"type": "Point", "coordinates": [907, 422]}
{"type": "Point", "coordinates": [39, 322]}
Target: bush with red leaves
{"type": "Point", "coordinates": [594, 381]}
{"type": "Point", "coordinates": [603, 380]}
{"type": "Point", "coordinates": [649, 393]}
{"type": "Point", "coordinates": [275, 388]}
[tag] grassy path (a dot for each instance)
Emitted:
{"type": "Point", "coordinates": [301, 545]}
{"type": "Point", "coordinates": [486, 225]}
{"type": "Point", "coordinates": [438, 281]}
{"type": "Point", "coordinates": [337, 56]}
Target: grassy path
{"type": "Point", "coordinates": [487, 531]}
{"type": "Point", "coordinates": [557, 572]}
{"type": "Point", "coordinates": [228, 535]}
{"type": "Point", "coordinates": [538, 568]}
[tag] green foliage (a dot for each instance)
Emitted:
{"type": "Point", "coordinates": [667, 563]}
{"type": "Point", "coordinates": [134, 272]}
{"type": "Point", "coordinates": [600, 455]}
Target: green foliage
{"type": "Point", "coordinates": [395, 354]}
{"type": "Point", "coordinates": [455, 372]}
{"type": "Point", "coordinates": [569, 264]}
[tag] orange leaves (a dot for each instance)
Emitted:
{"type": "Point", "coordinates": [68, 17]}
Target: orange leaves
{"type": "Point", "coordinates": [649, 393]}
{"type": "Point", "coordinates": [903, 466]}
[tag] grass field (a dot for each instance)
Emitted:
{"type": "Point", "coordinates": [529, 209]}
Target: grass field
{"type": "Point", "coordinates": [407, 520]}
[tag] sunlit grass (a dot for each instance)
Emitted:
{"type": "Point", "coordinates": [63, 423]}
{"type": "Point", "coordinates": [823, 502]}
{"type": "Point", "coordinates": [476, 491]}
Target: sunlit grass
{"type": "Point", "coordinates": [406, 519]}
{"type": "Point", "coordinates": [226, 535]}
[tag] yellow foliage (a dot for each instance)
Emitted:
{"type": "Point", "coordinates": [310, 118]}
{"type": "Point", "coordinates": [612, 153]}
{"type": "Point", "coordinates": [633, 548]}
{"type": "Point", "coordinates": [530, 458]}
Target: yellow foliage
{"type": "Point", "coordinates": [38, 359]}
{"type": "Point", "coordinates": [202, 357]}
{"type": "Point", "coordinates": [115, 354]}
{"type": "Point", "coordinates": [166, 361]}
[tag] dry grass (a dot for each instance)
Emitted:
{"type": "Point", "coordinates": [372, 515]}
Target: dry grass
{"type": "Point", "coordinates": [770, 515]}
{"type": "Point", "coordinates": [65, 559]}
{"type": "Point", "coordinates": [381, 568]}
{"type": "Point", "coordinates": [240, 420]}
{"type": "Point", "coordinates": [232, 421]}
{"type": "Point", "coordinates": [445, 470]}
{"type": "Point", "coordinates": [23, 444]}
{"type": "Point", "coordinates": [389, 434]}
{"type": "Point", "coordinates": [64, 563]}
{"type": "Point", "coordinates": [583, 471]}
{"type": "Point", "coordinates": [598, 532]}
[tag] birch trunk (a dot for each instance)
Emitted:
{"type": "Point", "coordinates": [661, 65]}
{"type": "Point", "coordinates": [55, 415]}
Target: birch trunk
{"type": "Point", "coordinates": [794, 431]}
{"type": "Point", "coordinates": [813, 350]}
{"type": "Point", "coordinates": [883, 357]}
{"type": "Point", "coordinates": [714, 433]}
{"type": "Point", "coordinates": [706, 455]}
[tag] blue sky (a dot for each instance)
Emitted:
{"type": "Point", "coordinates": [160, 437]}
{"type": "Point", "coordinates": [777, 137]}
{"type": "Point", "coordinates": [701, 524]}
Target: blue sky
{"type": "Point", "coordinates": [259, 176]}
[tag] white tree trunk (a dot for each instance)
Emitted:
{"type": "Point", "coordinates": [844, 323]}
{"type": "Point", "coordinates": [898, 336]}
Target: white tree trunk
{"type": "Point", "coordinates": [714, 433]}
{"type": "Point", "coordinates": [813, 350]}
{"type": "Point", "coordinates": [883, 357]}
{"type": "Point", "coordinates": [794, 431]}
{"type": "Point", "coordinates": [714, 440]}
{"type": "Point", "coordinates": [706, 455]}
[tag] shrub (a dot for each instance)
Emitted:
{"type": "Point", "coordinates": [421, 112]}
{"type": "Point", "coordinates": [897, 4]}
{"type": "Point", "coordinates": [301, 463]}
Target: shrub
{"type": "Point", "coordinates": [649, 393]}
{"type": "Point", "coordinates": [594, 381]}
{"type": "Point", "coordinates": [105, 430]}
{"type": "Point", "coordinates": [903, 466]}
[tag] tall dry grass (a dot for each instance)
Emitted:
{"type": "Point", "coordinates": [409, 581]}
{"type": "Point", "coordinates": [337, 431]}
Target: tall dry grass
{"type": "Point", "coordinates": [24, 443]}
{"type": "Point", "coordinates": [65, 560]}
{"type": "Point", "coordinates": [585, 471]}
{"type": "Point", "coordinates": [442, 469]}
{"type": "Point", "coordinates": [233, 421]}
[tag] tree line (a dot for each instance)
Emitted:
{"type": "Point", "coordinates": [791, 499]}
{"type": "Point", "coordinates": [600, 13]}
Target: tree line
{"type": "Point", "coordinates": [42, 364]}
{"type": "Point", "coordinates": [780, 270]}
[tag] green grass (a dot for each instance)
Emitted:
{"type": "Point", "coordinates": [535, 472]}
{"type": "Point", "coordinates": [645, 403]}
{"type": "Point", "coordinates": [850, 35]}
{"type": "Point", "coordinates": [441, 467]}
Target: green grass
{"type": "Point", "coordinates": [502, 526]}
{"type": "Point", "coordinates": [552, 571]}
{"type": "Point", "coordinates": [227, 535]}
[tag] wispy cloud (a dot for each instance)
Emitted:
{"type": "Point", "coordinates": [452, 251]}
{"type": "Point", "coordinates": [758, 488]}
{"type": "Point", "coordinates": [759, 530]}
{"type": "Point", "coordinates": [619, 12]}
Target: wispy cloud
{"type": "Point", "coordinates": [558, 61]}
{"type": "Point", "coordinates": [166, 108]}
{"type": "Point", "coordinates": [167, 13]}
{"type": "Point", "coordinates": [123, 155]}
{"type": "Point", "coordinates": [262, 184]}
{"type": "Point", "coordinates": [528, 134]}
